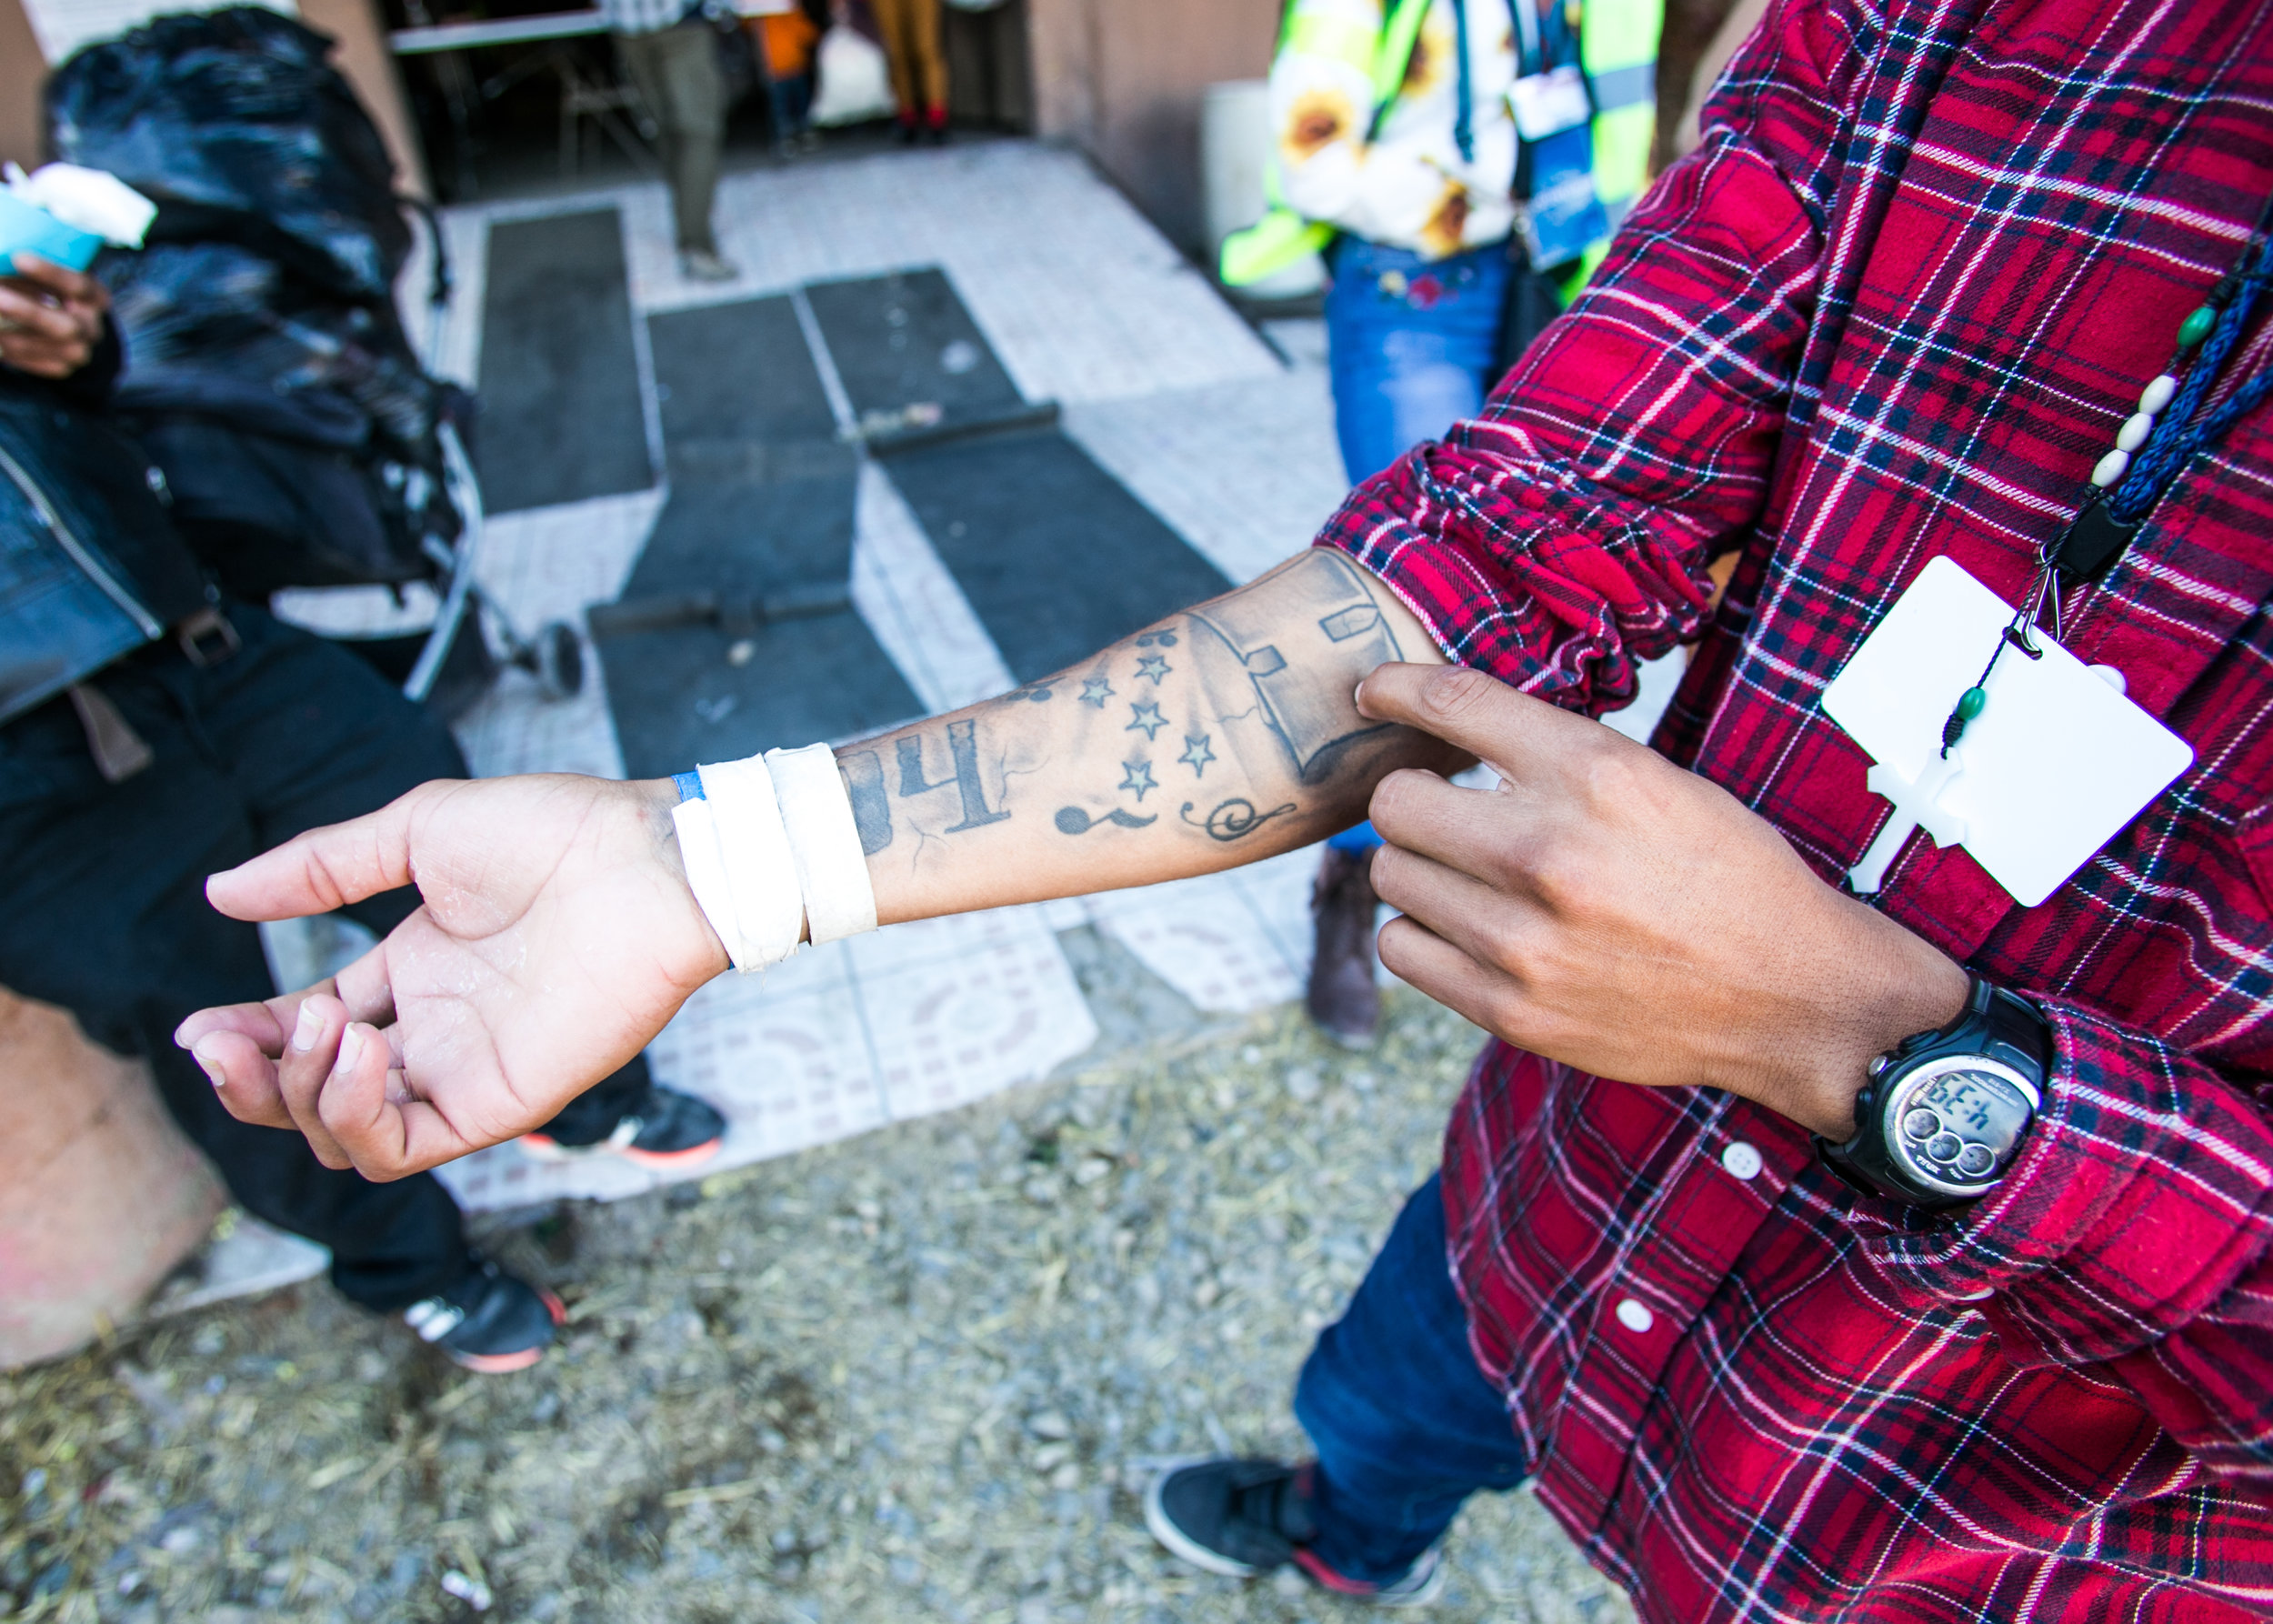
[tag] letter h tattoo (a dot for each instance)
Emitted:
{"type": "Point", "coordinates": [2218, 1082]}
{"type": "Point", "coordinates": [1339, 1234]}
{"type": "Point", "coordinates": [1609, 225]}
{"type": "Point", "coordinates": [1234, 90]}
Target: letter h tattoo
{"type": "Point", "coordinates": [963, 750]}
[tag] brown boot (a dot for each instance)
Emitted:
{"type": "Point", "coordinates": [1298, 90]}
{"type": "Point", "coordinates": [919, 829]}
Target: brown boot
{"type": "Point", "coordinates": [1342, 996]}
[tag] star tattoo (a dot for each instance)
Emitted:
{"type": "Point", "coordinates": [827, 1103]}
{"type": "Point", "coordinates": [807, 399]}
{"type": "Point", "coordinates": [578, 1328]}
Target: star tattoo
{"type": "Point", "coordinates": [1138, 778]}
{"type": "Point", "coordinates": [1197, 755]}
{"type": "Point", "coordinates": [1148, 717]}
{"type": "Point", "coordinates": [1096, 692]}
{"type": "Point", "coordinates": [1154, 667]}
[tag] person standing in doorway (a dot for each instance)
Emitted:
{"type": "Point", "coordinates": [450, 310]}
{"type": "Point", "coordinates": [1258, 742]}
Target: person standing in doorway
{"type": "Point", "coordinates": [919, 67]}
{"type": "Point", "coordinates": [668, 51]}
{"type": "Point", "coordinates": [784, 39]}
{"type": "Point", "coordinates": [1460, 164]}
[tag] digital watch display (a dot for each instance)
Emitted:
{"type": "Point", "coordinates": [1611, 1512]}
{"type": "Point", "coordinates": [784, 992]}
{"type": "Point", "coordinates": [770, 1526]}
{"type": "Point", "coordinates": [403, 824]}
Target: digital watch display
{"type": "Point", "coordinates": [1957, 1122]}
{"type": "Point", "coordinates": [1943, 1116]}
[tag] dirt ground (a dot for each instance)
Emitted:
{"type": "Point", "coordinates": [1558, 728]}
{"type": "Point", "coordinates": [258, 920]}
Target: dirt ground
{"type": "Point", "coordinates": [918, 1375]}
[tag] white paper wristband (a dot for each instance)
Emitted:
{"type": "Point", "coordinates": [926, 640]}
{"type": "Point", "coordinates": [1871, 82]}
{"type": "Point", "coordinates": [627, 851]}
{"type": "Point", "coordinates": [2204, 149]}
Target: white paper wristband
{"type": "Point", "coordinates": [825, 841]}
{"type": "Point", "coordinates": [761, 874]}
{"type": "Point", "coordinates": [706, 868]}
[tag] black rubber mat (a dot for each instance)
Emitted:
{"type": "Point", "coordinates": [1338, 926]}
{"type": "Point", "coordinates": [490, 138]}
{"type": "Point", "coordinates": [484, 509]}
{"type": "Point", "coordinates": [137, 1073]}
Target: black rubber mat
{"type": "Point", "coordinates": [560, 410]}
{"type": "Point", "coordinates": [906, 340]}
{"type": "Point", "coordinates": [738, 374]}
{"type": "Point", "coordinates": [1057, 558]}
{"type": "Point", "coordinates": [761, 509]}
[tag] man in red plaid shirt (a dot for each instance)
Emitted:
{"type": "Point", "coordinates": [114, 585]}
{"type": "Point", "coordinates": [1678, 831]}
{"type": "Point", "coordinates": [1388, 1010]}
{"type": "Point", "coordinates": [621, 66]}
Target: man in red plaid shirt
{"type": "Point", "coordinates": [1897, 308]}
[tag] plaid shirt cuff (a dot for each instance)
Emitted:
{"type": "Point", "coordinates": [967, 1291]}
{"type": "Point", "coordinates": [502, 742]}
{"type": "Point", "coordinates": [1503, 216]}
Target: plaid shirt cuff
{"type": "Point", "coordinates": [2142, 1198]}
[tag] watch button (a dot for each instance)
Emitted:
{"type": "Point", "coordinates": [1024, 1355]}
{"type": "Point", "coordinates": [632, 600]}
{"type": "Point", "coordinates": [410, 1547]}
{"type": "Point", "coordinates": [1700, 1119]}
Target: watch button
{"type": "Point", "coordinates": [1635, 1315]}
{"type": "Point", "coordinates": [1742, 1160]}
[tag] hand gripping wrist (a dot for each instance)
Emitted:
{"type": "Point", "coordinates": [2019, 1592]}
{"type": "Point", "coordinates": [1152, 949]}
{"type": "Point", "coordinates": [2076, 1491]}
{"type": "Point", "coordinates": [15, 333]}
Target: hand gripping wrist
{"type": "Point", "coordinates": [773, 855]}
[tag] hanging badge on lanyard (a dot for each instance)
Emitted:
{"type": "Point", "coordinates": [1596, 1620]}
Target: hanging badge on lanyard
{"type": "Point", "coordinates": [1562, 217]}
{"type": "Point", "coordinates": [1559, 216]}
{"type": "Point", "coordinates": [1547, 104]}
{"type": "Point", "coordinates": [2053, 761]}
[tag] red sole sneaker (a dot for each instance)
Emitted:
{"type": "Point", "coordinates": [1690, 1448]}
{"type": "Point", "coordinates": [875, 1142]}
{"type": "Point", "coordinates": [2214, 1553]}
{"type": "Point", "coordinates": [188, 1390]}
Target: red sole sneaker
{"type": "Point", "coordinates": [497, 1364]}
{"type": "Point", "coordinates": [541, 1148]}
{"type": "Point", "coordinates": [694, 1155]}
{"type": "Point", "coordinates": [504, 1364]}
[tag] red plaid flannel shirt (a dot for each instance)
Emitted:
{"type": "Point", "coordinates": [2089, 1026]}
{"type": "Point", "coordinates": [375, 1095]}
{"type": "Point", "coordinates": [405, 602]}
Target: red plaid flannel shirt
{"type": "Point", "coordinates": [1895, 307]}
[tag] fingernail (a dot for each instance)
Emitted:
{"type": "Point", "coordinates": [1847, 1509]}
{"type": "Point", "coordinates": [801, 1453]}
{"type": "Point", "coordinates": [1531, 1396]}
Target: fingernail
{"type": "Point", "coordinates": [211, 1068]}
{"type": "Point", "coordinates": [350, 1049]}
{"type": "Point", "coordinates": [308, 1029]}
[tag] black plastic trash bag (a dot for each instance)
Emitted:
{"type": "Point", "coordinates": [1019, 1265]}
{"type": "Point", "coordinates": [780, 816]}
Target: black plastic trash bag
{"type": "Point", "coordinates": [297, 433]}
{"type": "Point", "coordinates": [235, 123]}
{"type": "Point", "coordinates": [266, 368]}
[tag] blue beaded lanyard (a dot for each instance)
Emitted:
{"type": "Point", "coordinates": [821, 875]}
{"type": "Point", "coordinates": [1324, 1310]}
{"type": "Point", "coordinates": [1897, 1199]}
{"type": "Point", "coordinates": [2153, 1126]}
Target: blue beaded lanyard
{"type": "Point", "coordinates": [2156, 442]}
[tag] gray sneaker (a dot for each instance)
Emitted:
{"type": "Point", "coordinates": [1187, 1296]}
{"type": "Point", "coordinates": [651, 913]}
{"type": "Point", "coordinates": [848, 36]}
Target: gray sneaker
{"type": "Point", "coordinates": [703, 265]}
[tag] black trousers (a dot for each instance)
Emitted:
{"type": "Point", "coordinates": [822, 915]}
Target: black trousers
{"type": "Point", "coordinates": [102, 907]}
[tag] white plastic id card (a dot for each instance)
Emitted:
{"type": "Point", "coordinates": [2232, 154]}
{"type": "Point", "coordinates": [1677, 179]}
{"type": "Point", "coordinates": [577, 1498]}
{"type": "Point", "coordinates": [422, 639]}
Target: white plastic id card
{"type": "Point", "coordinates": [2052, 768]}
{"type": "Point", "coordinates": [1547, 104]}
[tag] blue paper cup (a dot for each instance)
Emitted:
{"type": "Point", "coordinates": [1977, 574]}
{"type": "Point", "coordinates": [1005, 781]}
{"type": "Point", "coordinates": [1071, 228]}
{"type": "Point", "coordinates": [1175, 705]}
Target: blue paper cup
{"type": "Point", "coordinates": [27, 230]}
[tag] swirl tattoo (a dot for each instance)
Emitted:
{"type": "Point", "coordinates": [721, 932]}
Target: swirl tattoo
{"type": "Point", "coordinates": [1233, 818]}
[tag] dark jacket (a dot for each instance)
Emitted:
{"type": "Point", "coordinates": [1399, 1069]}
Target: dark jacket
{"type": "Point", "coordinates": [90, 566]}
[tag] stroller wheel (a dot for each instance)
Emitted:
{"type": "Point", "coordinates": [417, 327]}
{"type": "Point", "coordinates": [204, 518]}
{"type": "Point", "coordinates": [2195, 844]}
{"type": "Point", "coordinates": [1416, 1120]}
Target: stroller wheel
{"type": "Point", "coordinates": [559, 660]}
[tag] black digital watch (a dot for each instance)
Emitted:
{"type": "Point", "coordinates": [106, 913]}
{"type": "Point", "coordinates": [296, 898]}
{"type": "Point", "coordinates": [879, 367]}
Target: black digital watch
{"type": "Point", "coordinates": [1944, 1112]}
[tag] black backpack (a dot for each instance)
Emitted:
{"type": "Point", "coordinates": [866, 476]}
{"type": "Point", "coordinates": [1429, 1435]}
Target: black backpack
{"type": "Point", "coordinates": [267, 372]}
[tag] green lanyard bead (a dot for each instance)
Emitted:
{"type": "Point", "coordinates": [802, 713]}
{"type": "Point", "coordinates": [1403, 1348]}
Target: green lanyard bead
{"type": "Point", "coordinates": [2197, 327]}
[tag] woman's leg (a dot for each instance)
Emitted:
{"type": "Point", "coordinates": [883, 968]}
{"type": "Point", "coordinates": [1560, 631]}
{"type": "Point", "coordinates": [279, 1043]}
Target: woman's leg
{"type": "Point", "coordinates": [1411, 344]}
{"type": "Point", "coordinates": [895, 21]}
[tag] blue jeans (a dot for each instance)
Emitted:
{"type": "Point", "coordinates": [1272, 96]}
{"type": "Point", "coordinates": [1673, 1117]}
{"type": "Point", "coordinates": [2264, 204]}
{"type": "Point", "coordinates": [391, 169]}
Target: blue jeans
{"type": "Point", "coordinates": [1410, 344]}
{"type": "Point", "coordinates": [1406, 1426]}
{"type": "Point", "coordinates": [1409, 358]}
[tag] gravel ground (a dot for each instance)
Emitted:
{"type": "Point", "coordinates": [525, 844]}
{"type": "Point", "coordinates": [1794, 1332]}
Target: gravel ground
{"type": "Point", "coordinates": [918, 1375]}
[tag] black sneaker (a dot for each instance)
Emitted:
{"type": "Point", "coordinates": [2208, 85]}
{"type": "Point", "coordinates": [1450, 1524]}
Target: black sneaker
{"type": "Point", "coordinates": [668, 1129]}
{"type": "Point", "coordinates": [1240, 1518]}
{"type": "Point", "coordinates": [490, 1321]}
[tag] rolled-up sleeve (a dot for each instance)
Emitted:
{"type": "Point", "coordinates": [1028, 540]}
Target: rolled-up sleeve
{"type": "Point", "coordinates": [1563, 535]}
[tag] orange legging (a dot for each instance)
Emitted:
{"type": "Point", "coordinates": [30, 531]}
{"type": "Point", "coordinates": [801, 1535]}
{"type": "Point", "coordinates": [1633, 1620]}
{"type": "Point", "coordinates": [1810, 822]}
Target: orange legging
{"type": "Point", "coordinates": [911, 44]}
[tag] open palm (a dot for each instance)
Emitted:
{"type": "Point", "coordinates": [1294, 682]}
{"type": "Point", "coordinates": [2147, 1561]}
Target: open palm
{"type": "Point", "coordinates": [557, 936]}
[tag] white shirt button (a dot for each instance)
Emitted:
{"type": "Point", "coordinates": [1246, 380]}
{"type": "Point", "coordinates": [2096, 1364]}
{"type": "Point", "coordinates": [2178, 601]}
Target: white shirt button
{"type": "Point", "coordinates": [1634, 1315]}
{"type": "Point", "coordinates": [1742, 1160]}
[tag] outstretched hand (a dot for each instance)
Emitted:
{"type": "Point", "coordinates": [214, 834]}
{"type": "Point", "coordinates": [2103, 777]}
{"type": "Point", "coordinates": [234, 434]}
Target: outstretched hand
{"type": "Point", "coordinates": [557, 936]}
{"type": "Point", "coordinates": [1605, 908]}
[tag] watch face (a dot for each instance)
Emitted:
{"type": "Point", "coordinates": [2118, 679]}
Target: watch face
{"type": "Point", "coordinates": [1956, 1123]}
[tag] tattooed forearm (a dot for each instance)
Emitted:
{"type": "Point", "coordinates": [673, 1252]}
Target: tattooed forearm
{"type": "Point", "coordinates": [1245, 703]}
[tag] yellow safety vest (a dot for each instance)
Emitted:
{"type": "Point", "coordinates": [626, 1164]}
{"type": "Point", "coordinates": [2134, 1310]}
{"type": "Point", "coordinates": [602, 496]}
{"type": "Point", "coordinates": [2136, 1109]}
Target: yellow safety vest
{"type": "Point", "coordinates": [1617, 49]}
